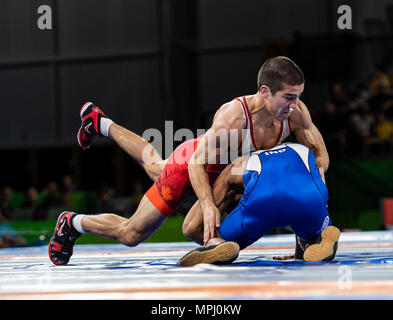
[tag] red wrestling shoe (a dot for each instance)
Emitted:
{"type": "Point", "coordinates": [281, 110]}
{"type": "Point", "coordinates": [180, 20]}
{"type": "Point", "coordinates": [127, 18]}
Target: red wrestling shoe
{"type": "Point", "coordinates": [61, 244]}
{"type": "Point", "coordinates": [91, 118]}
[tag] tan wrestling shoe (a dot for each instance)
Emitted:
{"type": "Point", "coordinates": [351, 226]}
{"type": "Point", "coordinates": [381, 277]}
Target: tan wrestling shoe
{"type": "Point", "coordinates": [326, 249]}
{"type": "Point", "coordinates": [221, 253]}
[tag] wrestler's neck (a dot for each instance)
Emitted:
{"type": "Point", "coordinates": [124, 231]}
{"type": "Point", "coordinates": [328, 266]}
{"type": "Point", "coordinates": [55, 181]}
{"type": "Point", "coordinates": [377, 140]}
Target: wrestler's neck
{"type": "Point", "coordinates": [260, 110]}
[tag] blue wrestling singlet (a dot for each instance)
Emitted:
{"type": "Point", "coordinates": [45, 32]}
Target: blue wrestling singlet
{"type": "Point", "coordinates": [282, 187]}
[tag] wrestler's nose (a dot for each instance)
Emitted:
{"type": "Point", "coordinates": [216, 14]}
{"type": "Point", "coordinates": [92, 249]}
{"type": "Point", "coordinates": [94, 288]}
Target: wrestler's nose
{"type": "Point", "coordinates": [293, 106]}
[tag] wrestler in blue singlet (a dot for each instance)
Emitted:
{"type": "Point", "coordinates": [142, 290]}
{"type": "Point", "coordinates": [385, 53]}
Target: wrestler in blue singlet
{"type": "Point", "coordinates": [283, 187]}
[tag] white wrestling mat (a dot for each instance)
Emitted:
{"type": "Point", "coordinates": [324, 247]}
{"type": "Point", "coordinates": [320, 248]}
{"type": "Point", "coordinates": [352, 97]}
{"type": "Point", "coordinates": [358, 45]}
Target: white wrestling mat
{"type": "Point", "coordinates": [362, 269]}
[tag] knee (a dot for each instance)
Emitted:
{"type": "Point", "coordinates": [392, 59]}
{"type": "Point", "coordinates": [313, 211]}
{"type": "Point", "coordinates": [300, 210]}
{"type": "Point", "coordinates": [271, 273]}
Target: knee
{"type": "Point", "coordinates": [191, 231]}
{"type": "Point", "coordinates": [130, 238]}
{"type": "Point", "coordinates": [187, 229]}
{"type": "Point", "coordinates": [153, 170]}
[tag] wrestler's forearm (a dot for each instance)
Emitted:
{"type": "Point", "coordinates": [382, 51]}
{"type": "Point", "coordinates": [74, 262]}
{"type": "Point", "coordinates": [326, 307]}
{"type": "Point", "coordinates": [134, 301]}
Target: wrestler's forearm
{"type": "Point", "coordinates": [200, 182]}
{"type": "Point", "coordinates": [313, 139]}
{"type": "Point", "coordinates": [322, 162]}
{"type": "Point", "coordinates": [211, 216]}
{"type": "Point", "coordinates": [320, 150]}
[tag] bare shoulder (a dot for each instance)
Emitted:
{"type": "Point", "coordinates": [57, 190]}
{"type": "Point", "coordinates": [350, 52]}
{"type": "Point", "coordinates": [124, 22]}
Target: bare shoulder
{"type": "Point", "coordinates": [229, 116]}
{"type": "Point", "coordinates": [300, 118]}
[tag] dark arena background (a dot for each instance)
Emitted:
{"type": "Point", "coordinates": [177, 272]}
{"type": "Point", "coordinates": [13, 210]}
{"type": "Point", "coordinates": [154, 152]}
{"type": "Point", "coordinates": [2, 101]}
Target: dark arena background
{"type": "Point", "coordinates": [169, 65]}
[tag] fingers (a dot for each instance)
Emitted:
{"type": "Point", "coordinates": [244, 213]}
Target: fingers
{"type": "Point", "coordinates": [206, 233]}
{"type": "Point", "coordinates": [218, 219]}
{"type": "Point", "coordinates": [211, 222]}
{"type": "Point", "coordinates": [284, 257]}
{"type": "Point", "coordinates": [208, 230]}
{"type": "Point", "coordinates": [212, 230]}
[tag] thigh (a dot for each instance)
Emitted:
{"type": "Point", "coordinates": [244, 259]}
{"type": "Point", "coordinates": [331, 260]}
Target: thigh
{"type": "Point", "coordinates": [169, 189]}
{"type": "Point", "coordinates": [154, 169]}
{"type": "Point", "coordinates": [146, 220]}
{"type": "Point", "coordinates": [193, 224]}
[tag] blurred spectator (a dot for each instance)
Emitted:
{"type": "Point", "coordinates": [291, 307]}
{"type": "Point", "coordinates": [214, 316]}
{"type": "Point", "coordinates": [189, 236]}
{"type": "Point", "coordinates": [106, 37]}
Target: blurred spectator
{"type": "Point", "coordinates": [357, 103]}
{"type": "Point", "coordinates": [384, 133]}
{"type": "Point", "coordinates": [387, 105]}
{"type": "Point", "coordinates": [104, 195]}
{"type": "Point", "coordinates": [339, 98]}
{"type": "Point", "coordinates": [379, 80]}
{"type": "Point", "coordinates": [2, 217]}
{"type": "Point", "coordinates": [31, 202]}
{"type": "Point", "coordinates": [5, 198]}
{"type": "Point", "coordinates": [31, 197]}
{"type": "Point", "coordinates": [53, 197]}
{"type": "Point", "coordinates": [381, 100]}
{"type": "Point", "coordinates": [8, 235]}
{"type": "Point", "coordinates": [362, 123]}
{"type": "Point", "coordinates": [7, 240]}
{"type": "Point", "coordinates": [333, 128]}
{"type": "Point", "coordinates": [68, 186]}
{"type": "Point", "coordinates": [137, 194]}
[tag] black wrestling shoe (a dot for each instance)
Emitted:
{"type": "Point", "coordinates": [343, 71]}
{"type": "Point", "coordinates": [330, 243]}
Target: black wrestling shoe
{"type": "Point", "coordinates": [91, 118]}
{"type": "Point", "coordinates": [326, 249]}
{"type": "Point", "coordinates": [222, 253]}
{"type": "Point", "coordinates": [60, 247]}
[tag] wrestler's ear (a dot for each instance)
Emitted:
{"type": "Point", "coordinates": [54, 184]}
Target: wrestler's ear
{"type": "Point", "coordinates": [264, 91]}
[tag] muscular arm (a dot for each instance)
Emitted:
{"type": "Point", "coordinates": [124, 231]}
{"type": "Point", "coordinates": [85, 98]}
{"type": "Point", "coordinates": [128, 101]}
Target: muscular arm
{"type": "Point", "coordinates": [308, 134]}
{"type": "Point", "coordinates": [213, 146]}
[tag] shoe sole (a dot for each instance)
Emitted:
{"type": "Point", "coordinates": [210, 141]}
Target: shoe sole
{"type": "Point", "coordinates": [79, 141]}
{"type": "Point", "coordinates": [224, 252]}
{"type": "Point", "coordinates": [50, 241]}
{"type": "Point", "coordinates": [326, 249]}
{"type": "Point", "coordinates": [84, 107]}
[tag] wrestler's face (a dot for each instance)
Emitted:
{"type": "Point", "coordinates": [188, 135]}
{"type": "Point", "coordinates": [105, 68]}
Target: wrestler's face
{"type": "Point", "coordinates": [285, 101]}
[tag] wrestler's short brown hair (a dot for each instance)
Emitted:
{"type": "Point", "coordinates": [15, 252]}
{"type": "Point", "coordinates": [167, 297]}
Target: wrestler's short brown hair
{"type": "Point", "coordinates": [277, 71]}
